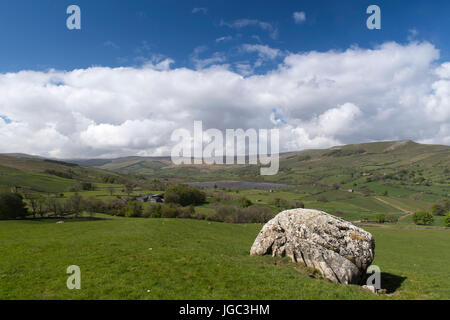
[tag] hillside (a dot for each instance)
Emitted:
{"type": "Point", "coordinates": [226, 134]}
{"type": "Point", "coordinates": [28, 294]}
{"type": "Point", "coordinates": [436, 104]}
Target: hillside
{"type": "Point", "coordinates": [387, 165]}
{"type": "Point", "coordinates": [354, 181]}
{"type": "Point", "coordinates": [45, 175]}
{"type": "Point", "coordinates": [299, 167]}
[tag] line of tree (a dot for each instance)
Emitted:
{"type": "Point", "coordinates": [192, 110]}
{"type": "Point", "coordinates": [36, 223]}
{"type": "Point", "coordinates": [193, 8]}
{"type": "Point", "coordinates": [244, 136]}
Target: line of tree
{"type": "Point", "coordinates": [15, 206]}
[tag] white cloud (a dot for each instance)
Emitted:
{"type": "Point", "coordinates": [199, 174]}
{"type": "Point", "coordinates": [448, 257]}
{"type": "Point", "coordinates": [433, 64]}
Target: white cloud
{"type": "Point", "coordinates": [131, 134]}
{"type": "Point", "coordinates": [444, 71]}
{"type": "Point", "coordinates": [263, 51]}
{"type": "Point", "coordinates": [159, 63]}
{"type": "Point", "coordinates": [299, 17]}
{"type": "Point", "coordinates": [202, 10]}
{"type": "Point", "coordinates": [242, 23]}
{"type": "Point", "coordinates": [412, 34]}
{"type": "Point", "coordinates": [200, 63]}
{"type": "Point", "coordinates": [339, 121]}
{"type": "Point", "coordinates": [111, 44]}
{"type": "Point", "coordinates": [223, 39]}
{"type": "Point", "coordinates": [438, 102]}
{"type": "Point", "coordinates": [323, 98]}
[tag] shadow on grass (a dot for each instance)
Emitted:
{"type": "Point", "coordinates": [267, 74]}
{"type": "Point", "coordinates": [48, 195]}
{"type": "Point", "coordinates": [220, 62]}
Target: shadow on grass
{"type": "Point", "coordinates": [391, 282]}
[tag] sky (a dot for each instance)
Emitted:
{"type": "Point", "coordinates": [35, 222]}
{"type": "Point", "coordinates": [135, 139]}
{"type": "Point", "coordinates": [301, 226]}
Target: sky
{"type": "Point", "coordinates": [138, 70]}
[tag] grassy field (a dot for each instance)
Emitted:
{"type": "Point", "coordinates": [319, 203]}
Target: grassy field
{"type": "Point", "coordinates": [124, 258]}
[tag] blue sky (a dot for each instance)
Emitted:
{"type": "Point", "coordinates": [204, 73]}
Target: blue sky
{"type": "Point", "coordinates": [33, 34]}
{"type": "Point", "coordinates": [139, 70]}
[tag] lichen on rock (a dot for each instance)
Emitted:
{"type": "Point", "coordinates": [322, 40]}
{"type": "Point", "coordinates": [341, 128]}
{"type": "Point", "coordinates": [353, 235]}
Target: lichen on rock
{"type": "Point", "coordinates": [341, 251]}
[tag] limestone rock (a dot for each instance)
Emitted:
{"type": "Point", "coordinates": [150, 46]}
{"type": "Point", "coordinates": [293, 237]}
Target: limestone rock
{"type": "Point", "coordinates": [341, 251]}
{"type": "Point", "coordinates": [370, 288]}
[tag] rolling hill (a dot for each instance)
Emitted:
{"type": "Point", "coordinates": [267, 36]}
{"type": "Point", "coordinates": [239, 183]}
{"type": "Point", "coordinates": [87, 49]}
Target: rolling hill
{"type": "Point", "coordinates": [432, 162]}
{"type": "Point", "coordinates": [403, 163]}
{"type": "Point", "coordinates": [47, 175]}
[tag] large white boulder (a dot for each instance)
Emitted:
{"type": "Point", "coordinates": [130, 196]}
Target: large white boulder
{"type": "Point", "coordinates": [341, 251]}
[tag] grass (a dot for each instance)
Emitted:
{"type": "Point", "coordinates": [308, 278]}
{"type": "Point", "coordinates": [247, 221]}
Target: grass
{"type": "Point", "coordinates": [421, 257]}
{"type": "Point", "coordinates": [36, 181]}
{"type": "Point", "coordinates": [192, 259]}
{"type": "Point", "coordinates": [123, 258]}
{"type": "Point", "coordinates": [438, 221]}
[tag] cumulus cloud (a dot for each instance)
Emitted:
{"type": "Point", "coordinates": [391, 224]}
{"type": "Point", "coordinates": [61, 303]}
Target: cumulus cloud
{"type": "Point", "coordinates": [264, 53]}
{"type": "Point", "coordinates": [444, 71]}
{"type": "Point", "coordinates": [299, 17]}
{"type": "Point", "coordinates": [315, 99]}
{"type": "Point", "coordinates": [438, 102]}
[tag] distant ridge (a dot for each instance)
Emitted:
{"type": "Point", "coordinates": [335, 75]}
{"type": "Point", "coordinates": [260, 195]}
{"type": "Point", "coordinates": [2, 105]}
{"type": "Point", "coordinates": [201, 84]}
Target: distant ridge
{"type": "Point", "coordinates": [369, 147]}
{"type": "Point", "coordinates": [427, 165]}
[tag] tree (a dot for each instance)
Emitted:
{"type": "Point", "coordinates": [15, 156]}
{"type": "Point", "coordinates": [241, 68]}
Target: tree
{"type": "Point", "coordinates": [392, 218]}
{"type": "Point", "coordinates": [129, 188]}
{"type": "Point", "coordinates": [184, 195]}
{"type": "Point", "coordinates": [154, 210]}
{"type": "Point", "coordinates": [75, 204]}
{"type": "Point", "coordinates": [93, 205]}
{"type": "Point", "coordinates": [115, 207]}
{"type": "Point", "coordinates": [169, 211]}
{"type": "Point", "coordinates": [87, 186]}
{"type": "Point", "coordinates": [244, 202]}
{"type": "Point", "coordinates": [133, 209]}
{"type": "Point", "coordinates": [12, 206]}
{"type": "Point", "coordinates": [111, 190]}
{"type": "Point", "coordinates": [447, 220]}
{"type": "Point", "coordinates": [40, 208]}
{"type": "Point", "coordinates": [53, 205]}
{"type": "Point", "coordinates": [423, 218]}
{"type": "Point", "coordinates": [441, 207]}
{"type": "Point", "coordinates": [37, 204]}
{"type": "Point", "coordinates": [276, 202]}
{"type": "Point", "coordinates": [380, 217]}
{"type": "Point", "coordinates": [33, 202]}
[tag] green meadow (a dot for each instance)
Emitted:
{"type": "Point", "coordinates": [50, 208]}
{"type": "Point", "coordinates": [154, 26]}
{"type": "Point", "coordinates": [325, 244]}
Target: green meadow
{"type": "Point", "coordinates": [135, 258]}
